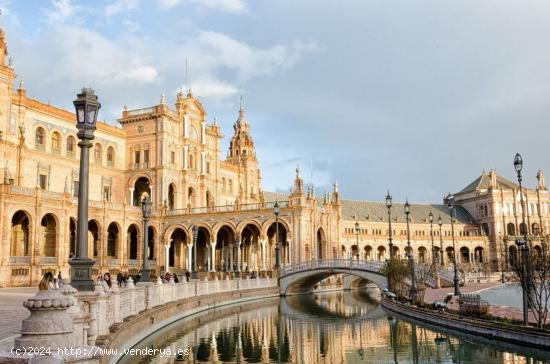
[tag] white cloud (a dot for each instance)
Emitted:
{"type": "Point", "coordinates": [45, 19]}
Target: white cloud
{"type": "Point", "coordinates": [61, 11]}
{"type": "Point", "coordinates": [209, 88]}
{"type": "Point", "coordinates": [230, 6]}
{"type": "Point", "coordinates": [120, 6]}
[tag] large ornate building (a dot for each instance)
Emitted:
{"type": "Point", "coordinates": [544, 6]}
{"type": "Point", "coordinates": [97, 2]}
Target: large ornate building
{"type": "Point", "coordinates": [173, 154]}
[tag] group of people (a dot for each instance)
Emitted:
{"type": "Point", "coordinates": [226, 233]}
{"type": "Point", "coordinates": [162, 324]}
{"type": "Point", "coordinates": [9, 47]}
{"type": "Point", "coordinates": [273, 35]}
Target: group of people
{"type": "Point", "coordinates": [49, 281]}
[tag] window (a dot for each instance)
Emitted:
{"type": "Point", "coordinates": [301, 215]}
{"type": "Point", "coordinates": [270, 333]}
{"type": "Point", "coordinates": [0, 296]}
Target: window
{"type": "Point", "coordinates": [97, 154]}
{"type": "Point", "coordinates": [39, 138]}
{"type": "Point", "coordinates": [56, 142]}
{"type": "Point", "coordinates": [146, 158]}
{"type": "Point", "coordinates": [110, 156]}
{"type": "Point", "coordinates": [137, 156]}
{"type": "Point", "coordinates": [173, 157]}
{"type": "Point", "coordinates": [70, 146]}
{"type": "Point", "coordinates": [42, 181]}
{"type": "Point", "coordinates": [208, 172]}
{"type": "Point", "coordinates": [75, 188]}
{"type": "Point", "coordinates": [106, 193]}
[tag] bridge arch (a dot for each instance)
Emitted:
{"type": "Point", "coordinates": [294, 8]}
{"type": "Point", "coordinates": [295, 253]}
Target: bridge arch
{"type": "Point", "coordinates": [302, 278]}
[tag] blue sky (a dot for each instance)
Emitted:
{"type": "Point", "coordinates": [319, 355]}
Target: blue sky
{"type": "Point", "coordinates": [418, 97]}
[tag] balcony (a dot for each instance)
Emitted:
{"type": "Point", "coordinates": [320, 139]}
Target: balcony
{"type": "Point", "coordinates": [225, 208]}
{"type": "Point", "coordinates": [21, 260]}
{"type": "Point", "coordinates": [113, 261]}
{"type": "Point", "coordinates": [138, 166]}
{"type": "Point", "coordinates": [133, 261]}
{"type": "Point", "coordinates": [48, 260]}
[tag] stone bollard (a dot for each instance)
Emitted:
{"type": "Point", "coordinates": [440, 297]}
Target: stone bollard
{"type": "Point", "coordinates": [115, 303]}
{"type": "Point", "coordinates": [80, 336]}
{"type": "Point", "coordinates": [132, 294]}
{"type": "Point", "coordinates": [49, 324]}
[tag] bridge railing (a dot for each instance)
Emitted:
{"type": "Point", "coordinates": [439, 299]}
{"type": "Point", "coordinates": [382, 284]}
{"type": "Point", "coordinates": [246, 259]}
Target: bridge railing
{"type": "Point", "coordinates": [370, 265]}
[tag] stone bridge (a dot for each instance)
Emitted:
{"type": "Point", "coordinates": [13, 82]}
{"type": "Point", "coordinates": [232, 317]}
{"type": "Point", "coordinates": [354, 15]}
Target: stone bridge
{"type": "Point", "coordinates": [302, 277]}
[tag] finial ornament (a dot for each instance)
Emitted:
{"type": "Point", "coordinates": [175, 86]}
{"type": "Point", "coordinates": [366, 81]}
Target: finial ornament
{"type": "Point", "coordinates": [162, 99]}
{"type": "Point", "coordinates": [241, 104]}
{"type": "Point", "coordinates": [215, 121]}
{"type": "Point", "coordinates": [21, 82]}
{"type": "Point", "coordinates": [335, 185]}
{"type": "Point", "coordinates": [298, 171]}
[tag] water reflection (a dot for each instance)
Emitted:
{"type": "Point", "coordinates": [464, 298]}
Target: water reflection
{"type": "Point", "coordinates": [335, 327]}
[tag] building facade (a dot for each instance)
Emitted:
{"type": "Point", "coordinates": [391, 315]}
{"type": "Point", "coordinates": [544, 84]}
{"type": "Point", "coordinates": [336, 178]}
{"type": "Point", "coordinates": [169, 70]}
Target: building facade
{"type": "Point", "coordinates": [173, 154]}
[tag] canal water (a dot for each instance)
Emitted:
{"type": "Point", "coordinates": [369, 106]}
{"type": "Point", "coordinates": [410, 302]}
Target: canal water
{"type": "Point", "coordinates": [331, 327]}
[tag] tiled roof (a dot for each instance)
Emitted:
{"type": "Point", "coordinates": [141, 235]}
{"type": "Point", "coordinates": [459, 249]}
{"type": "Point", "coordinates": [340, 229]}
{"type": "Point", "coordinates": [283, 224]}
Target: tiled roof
{"type": "Point", "coordinates": [377, 211]}
{"type": "Point", "coordinates": [419, 212]}
{"type": "Point", "coordinates": [483, 182]}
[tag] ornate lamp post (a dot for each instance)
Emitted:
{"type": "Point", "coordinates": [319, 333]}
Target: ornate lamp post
{"type": "Point", "coordinates": [451, 206]}
{"type": "Point", "coordinates": [195, 232]}
{"type": "Point", "coordinates": [410, 253]}
{"type": "Point", "coordinates": [357, 234]}
{"type": "Point", "coordinates": [277, 211]}
{"type": "Point", "coordinates": [146, 210]}
{"type": "Point", "coordinates": [440, 223]}
{"type": "Point", "coordinates": [522, 244]}
{"type": "Point", "coordinates": [388, 205]}
{"type": "Point", "coordinates": [431, 219]}
{"type": "Point", "coordinates": [87, 107]}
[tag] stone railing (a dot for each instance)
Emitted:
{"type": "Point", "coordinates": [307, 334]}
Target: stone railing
{"type": "Point", "coordinates": [20, 260]}
{"type": "Point", "coordinates": [113, 261]}
{"type": "Point", "coordinates": [65, 318]}
{"type": "Point", "coordinates": [133, 261]}
{"type": "Point", "coordinates": [48, 260]}
{"type": "Point", "coordinates": [225, 208]}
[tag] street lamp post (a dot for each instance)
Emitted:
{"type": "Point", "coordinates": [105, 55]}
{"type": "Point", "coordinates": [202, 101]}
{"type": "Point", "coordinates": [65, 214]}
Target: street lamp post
{"type": "Point", "coordinates": [146, 210]}
{"type": "Point", "coordinates": [440, 223]}
{"type": "Point", "coordinates": [277, 211]}
{"type": "Point", "coordinates": [357, 234]}
{"type": "Point", "coordinates": [87, 107]}
{"type": "Point", "coordinates": [388, 205]}
{"type": "Point", "coordinates": [451, 206]}
{"type": "Point", "coordinates": [410, 254]}
{"type": "Point", "coordinates": [431, 218]}
{"type": "Point", "coordinates": [522, 244]}
{"type": "Point", "coordinates": [195, 232]}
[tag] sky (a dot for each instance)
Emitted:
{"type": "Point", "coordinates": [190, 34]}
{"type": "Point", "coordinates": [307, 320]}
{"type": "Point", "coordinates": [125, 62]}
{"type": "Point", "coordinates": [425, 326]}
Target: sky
{"type": "Point", "coordinates": [418, 97]}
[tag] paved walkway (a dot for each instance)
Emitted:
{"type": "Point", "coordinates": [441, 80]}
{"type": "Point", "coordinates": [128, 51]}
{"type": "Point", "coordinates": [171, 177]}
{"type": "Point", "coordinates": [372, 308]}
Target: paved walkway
{"type": "Point", "coordinates": [12, 313]}
{"type": "Point", "coordinates": [494, 310]}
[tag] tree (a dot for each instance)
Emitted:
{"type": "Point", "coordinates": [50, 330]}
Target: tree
{"type": "Point", "coordinates": [534, 278]}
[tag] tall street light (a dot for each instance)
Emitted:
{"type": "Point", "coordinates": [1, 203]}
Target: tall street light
{"type": "Point", "coordinates": [195, 232]}
{"type": "Point", "coordinates": [522, 244]}
{"type": "Point", "coordinates": [410, 253]}
{"type": "Point", "coordinates": [87, 107]}
{"type": "Point", "coordinates": [431, 219]}
{"type": "Point", "coordinates": [357, 233]}
{"type": "Point", "coordinates": [451, 206]}
{"type": "Point", "coordinates": [146, 210]}
{"type": "Point", "coordinates": [388, 205]}
{"type": "Point", "coordinates": [277, 211]}
{"type": "Point", "coordinates": [440, 223]}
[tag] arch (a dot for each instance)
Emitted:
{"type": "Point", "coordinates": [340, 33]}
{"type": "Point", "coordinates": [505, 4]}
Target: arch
{"type": "Point", "coordinates": [355, 251]}
{"type": "Point", "coordinates": [464, 255]}
{"type": "Point", "coordinates": [48, 226]}
{"type": "Point", "coordinates": [535, 228]}
{"type": "Point", "coordinates": [209, 199]}
{"type": "Point", "coordinates": [396, 252]}
{"type": "Point", "coordinates": [305, 281]}
{"type": "Point", "coordinates": [224, 184]}
{"type": "Point", "coordinates": [151, 238]}
{"type": "Point", "coordinates": [513, 254]}
{"type": "Point", "coordinates": [368, 252]}
{"type": "Point", "coordinates": [485, 229]}
{"type": "Point", "coordinates": [511, 229]}
{"type": "Point", "coordinates": [20, 233]}
{"type": "Point", "coordinates": [450, 254]}
{"type": "Point", "coordinates": [40, 137]}
{"type": "Point", "coordinates": [72, 237]}
{"type": "Point", "coordinates": [522, 228]}
{"type": "Point", "coordinates": [222, 224]}
{"type": "Point", "coordinates": [202, 247]}
{"type": "Point", "coordinates": [110, 156]}
{"type": "Point", "coordinates": [271, 234]}
{"type": "Point", "coordinates": [250, 237]}
{"type": "Point", "coordinates": [422, 254]}
{"type": "Point", "coordinates": [56, 142]}
{"type": "Point", "coordinates": [268, 224]}
{"type": "Point", "coordinates": [171, 196]}
{"type": "Point", "coordinates": [113, 233]}
{"type": "Point", "coordinates": [224, 256]}
{"type": "Point", "coordinates": [230, 185]}
{"type": "Point", "coordinates": [98, 154]}
{"type": "Point", "coordinates": [191, 161]}
{"type": "Point", "coordinates": [343, 252]}
{"type": "Point", "coordinates": [478, 254]}
{"type": "Point", "coordinates": [133, 241]}
{"type": "Point", "coordinates": [142, 188]}
{"type": "Point", "coordinates": [177, 253]}
{"type": "Point", "coordinates": [537, 252]}
{"type": "Point", "coordinates": [94, 232]}
{"type": "Point", "coordinates": [70, 147]}
{"type": "Point", "coordinates": [381, 253]}
{"type": "Point", "coordinates": [191, 197]}
{"type": "Point", "coordinates": [321, 244]}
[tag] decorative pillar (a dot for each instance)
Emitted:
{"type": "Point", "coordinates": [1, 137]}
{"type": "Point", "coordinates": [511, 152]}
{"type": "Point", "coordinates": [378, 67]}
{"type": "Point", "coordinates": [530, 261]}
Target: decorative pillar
{"type": "Point", "coordinates": [238, 243]}
{"type": "Point", "coordinates": [189, 256]}
{"type": "Point", "coordinates": [131, 196]}
{"type": "Point", "coordinates": [213, 256]}
{"type": "Point", "coordinates": [230, 259]}
{"type": "Point", "coordinates": [166, 257]}
{"type": "Point", "coordinates": [263, 245]}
